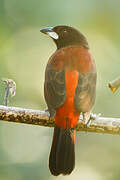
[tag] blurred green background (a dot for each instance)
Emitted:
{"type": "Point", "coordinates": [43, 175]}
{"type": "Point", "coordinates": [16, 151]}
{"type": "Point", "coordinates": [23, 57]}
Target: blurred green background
{"type": "Point", "coordinates": [24, 52]}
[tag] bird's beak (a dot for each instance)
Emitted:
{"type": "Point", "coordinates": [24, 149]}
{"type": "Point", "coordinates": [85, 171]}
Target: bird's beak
{"type": "Point", "coordinates": [49, 31]}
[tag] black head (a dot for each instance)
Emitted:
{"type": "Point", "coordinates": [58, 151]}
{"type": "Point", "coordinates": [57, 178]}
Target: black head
{"type": "Point", "coordinates": [65, 36]}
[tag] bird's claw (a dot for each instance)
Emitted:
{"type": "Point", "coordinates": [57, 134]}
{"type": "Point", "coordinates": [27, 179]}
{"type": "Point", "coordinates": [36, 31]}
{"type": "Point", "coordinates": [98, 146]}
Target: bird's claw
{"type": "Point", "coordinates": [86, 119]}
{"type": "Point", "coordinates": [87, 122]}
{"type": "Point", "coordinates": [51, 118]}
{"type": "Point", "coordinates": [46, 110]}
{"type": "Point", "coordinates": [94, 116]}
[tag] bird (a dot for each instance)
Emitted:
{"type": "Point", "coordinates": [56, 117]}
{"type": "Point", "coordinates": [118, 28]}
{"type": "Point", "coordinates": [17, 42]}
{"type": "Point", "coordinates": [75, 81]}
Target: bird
{"type": "Point", "coordinates": [69, 90]}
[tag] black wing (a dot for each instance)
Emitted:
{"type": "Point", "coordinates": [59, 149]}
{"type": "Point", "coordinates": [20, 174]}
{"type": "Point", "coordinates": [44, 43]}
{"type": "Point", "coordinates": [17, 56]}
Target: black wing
{"type": "Point", "coordinates": [85, 92]}
{"type": "Point", "coordinates": [54, 88]}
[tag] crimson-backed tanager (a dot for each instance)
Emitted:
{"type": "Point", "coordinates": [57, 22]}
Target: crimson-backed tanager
{"type": "Point", "coordinates": [69, 89]}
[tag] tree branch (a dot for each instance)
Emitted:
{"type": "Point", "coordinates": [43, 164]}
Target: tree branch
{"type": "Point", "coordinates": [41, 118]}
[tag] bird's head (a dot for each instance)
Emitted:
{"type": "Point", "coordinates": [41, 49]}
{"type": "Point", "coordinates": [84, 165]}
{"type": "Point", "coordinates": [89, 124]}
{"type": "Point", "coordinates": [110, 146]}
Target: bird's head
{"type": "Point", "coordinates": [64, 36]}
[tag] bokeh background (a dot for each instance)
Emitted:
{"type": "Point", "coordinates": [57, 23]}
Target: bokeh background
{"type": "Point", "coordinates": [24, 52]}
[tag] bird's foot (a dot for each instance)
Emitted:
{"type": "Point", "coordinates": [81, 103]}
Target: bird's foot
{"type": "Point", "coordinates": [89, 117]}
{"type": "Point", "coordinates": [88, 123]}
{"type": "Point", "coordinates": [51, 118]}
{"type": "Point", "coordinates": [94, 116]}
{"type": "Point", "coordinates": [46, 110]}
{"type": "Point", "coordinates": [86, 119]}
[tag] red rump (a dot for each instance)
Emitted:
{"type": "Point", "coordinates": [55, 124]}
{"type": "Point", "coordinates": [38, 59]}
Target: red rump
{"type": "Point", "coordinates": [67, 116]}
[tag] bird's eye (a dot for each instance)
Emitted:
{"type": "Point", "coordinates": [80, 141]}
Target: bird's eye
{"type": "Point", "coordinates": [64, 30]}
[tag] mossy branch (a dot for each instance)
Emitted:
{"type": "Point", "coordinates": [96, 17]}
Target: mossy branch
{"type": "Point", "coordinates": [35, 117]}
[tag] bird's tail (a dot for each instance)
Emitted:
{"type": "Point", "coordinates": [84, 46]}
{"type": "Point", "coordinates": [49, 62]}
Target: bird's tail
{"type": "Point", "coordinates": [62, 155]}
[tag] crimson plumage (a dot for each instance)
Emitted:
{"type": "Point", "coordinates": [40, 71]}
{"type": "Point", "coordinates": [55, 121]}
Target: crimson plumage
{"type": "Point", "coordinates": [69, 89]}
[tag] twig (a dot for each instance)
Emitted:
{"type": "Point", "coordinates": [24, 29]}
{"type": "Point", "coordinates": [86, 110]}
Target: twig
{"type": "Point", "coordinates": [10, 86]}
{"type": "Point", "coordinates": [114, 85]}
{"type": "Point", "coordinates": [36, 117]}
{"type": "Point", "coordinates": [7, 89]}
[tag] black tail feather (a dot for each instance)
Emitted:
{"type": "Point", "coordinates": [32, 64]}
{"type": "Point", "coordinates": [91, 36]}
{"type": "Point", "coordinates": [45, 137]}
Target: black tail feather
{"type": "Point", "coordinates": [62, 155]}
